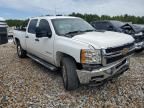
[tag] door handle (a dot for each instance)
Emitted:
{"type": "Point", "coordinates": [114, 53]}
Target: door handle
{"type": "Point", "coordinates": [26, 37]}
{"type": "Point", "coordinates": [37, 40]}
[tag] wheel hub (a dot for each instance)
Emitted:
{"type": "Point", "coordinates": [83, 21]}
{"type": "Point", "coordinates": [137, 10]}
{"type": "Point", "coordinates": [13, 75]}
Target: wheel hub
{"type": "Point", "coordinates": [19, 50]}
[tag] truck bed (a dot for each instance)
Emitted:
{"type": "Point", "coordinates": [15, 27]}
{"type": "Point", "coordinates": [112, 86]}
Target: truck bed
{"type": "Point", "coordinates": [19, 34]}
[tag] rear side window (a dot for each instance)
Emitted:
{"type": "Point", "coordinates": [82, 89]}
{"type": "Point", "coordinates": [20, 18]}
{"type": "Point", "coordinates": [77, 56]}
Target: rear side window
{"type": "Point", "coordinates": [44, 26]}
{"type": "Point", "coordinates": [32, 26]}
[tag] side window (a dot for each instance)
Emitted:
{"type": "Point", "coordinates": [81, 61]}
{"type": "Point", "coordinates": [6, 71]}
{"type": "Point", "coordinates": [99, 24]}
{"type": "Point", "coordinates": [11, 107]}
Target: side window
{"type": "Point", "coordinates": [98, 25]}
{"type": "Point", "coordinates": [32, 26]}
{"type": "Point", "coordinates": [102, 25]}
{"type": "Point", "coordinates": [44, 26]}
{"type": "Point", "coordinates": [106, 25]}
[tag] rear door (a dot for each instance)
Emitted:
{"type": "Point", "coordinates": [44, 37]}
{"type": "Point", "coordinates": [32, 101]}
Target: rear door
{"type": "Point", "coordinates": [31, 36]}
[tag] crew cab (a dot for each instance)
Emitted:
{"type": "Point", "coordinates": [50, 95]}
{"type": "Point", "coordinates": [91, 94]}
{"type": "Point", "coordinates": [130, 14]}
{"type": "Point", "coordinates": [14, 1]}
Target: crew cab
{"type": "Point", "coordinates": [117, 26]}
{"type": "Point", "coordinates": [84, 55]}
{"type": "Point", "coordinates": [3, 31]}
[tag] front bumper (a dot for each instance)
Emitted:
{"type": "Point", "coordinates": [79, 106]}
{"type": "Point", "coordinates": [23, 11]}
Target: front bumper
{"type": "Point", "coordinates": [139, 45]}
{"type": "Point", "coordinates": [99, 75]}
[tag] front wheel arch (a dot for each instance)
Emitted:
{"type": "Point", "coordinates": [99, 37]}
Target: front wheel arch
{"type": "Point", "coordinates": [59, 57]}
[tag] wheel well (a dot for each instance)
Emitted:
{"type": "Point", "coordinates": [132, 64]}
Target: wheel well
{"type": "Point", "coordinates": [59, 57]}
{"type": "Point", "coordinates": [17, 40]}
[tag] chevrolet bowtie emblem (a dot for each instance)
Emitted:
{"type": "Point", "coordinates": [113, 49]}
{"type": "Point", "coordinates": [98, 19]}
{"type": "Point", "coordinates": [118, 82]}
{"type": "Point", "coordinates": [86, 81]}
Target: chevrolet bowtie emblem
{"type": "Point", "coordinates": [125, 51]}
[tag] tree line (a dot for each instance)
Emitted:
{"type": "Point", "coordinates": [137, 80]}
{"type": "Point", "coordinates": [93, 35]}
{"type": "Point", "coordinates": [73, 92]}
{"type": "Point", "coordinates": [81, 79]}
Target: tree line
{"type": "Point", "coordinates": [124, 18]}
{"type": "Point", "coordinates": [17, 23]}
{"type": "Point", "coordinates": [91, 17]}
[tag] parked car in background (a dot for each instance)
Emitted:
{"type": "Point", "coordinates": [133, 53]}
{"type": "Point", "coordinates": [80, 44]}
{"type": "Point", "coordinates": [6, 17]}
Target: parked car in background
{"type": "Point", "coordinates": [71, 44]}
{"type": "Point", "coordinates": [140, 25]}
{"type": "Point", "coordinates": [117, 26]}
{"type": "Point", "coordinates": [3, 31]}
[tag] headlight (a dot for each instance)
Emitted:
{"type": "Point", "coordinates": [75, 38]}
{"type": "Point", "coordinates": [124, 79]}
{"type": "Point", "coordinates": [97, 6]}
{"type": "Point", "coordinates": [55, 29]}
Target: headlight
{"type": "Point", "coordinates": [90, 56]}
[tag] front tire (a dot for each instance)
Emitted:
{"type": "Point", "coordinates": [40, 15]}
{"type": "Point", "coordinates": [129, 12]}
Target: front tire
{"type": "Point", "coordinates": [69, 74]}
{"type": "Point", "coordinates": [20, 52]}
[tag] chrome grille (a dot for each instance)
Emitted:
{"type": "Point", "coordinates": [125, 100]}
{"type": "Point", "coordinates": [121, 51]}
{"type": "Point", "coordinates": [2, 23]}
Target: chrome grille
{"type": "Point", "coordinates": [112, 50]}
{"type": "Point", "coordinates": [111, 55]}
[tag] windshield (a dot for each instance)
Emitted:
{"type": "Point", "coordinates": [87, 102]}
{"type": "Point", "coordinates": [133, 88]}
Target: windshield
{"type": "Point", "coordinates": [70, 25]}
{"type": "Point", "coordinates": [118, 24]}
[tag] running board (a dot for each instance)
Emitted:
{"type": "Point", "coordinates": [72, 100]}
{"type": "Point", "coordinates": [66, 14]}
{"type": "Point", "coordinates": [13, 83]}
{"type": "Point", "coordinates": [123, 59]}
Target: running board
{"type": "Point", "coordinates": [42, 62]}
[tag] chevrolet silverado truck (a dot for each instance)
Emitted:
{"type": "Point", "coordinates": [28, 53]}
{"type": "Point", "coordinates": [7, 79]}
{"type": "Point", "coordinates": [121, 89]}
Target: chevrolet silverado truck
{"type": "Point", "coordinates": [3, 31]}
{"type": "Point", "coordinates": [84, 55]}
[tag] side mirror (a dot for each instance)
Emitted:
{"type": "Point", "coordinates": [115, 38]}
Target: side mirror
{"type": "Point", "coordinates": [42, 33]}
{"type": "Point", "coordinates": [49, 34]}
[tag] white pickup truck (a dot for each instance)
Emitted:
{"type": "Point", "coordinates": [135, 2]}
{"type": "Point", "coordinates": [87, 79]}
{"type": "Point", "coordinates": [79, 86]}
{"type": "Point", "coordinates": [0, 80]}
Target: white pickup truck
{"type": "Point", "coordinates": [84, 55]}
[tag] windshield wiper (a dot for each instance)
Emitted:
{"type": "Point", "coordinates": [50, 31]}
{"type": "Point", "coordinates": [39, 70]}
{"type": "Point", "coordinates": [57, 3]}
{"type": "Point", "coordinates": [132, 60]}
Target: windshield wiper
{"type": "Point", "coordinates": [78, 31]}
{"type": "Point", "coordinates": [73, 33]}
{"type": "Point", "coordinates": [89, 30]}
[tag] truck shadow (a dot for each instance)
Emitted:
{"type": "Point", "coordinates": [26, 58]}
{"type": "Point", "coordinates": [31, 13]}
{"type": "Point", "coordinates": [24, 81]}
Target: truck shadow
{"type": "Point", "coordinates": [141, 54]}
{"type": "Point", "coordinates": [58, 75]}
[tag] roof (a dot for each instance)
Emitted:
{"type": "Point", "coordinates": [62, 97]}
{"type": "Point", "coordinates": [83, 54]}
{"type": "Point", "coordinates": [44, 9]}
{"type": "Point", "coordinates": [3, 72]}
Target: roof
{"type": "Point", "coordinates": [106, 21]}
{"type": "Point", "coordinates": [53, 17]}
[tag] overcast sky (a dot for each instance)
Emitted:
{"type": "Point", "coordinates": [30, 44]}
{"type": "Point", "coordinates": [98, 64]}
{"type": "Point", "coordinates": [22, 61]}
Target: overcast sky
{"type": "Point", "coordinates": [29, 8]}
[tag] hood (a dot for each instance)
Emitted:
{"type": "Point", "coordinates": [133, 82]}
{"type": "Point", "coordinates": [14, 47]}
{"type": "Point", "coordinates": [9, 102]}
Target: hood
{"type": "Point", "coordinates": [135, 28]}
{"type": "Point", "coordinates": [104, 39]}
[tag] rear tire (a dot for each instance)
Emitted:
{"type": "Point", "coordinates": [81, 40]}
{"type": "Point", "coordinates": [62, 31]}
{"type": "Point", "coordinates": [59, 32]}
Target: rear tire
{"type": "Point", "coordinates": [20, 52]}
{"type": "Point", "coordinates": [69, 74]}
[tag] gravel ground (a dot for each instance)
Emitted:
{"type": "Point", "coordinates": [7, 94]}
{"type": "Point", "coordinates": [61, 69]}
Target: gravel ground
{"type": "Point", "coordinates": [26, 84]}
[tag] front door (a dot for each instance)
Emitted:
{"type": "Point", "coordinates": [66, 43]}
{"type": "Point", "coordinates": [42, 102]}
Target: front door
{"type": "Point", "coordinates": [44, 44]}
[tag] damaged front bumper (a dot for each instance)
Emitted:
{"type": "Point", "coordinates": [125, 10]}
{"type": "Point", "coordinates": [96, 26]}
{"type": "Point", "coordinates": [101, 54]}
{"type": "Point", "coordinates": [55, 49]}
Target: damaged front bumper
{"type": "Point", "coordinates": [104, 73]}
{"type": "Point", "coordinates": [139, 45]}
